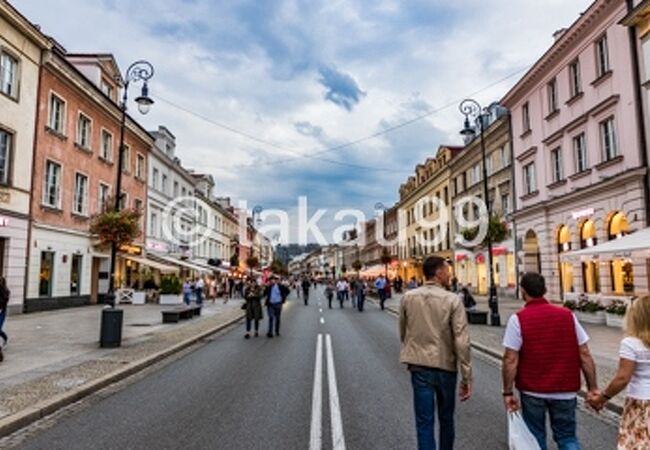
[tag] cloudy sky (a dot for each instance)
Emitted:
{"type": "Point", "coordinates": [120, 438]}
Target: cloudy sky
{"type": "Point", "coordinates": [278, 99]}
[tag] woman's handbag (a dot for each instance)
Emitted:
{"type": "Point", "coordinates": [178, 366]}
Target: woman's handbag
{"type": "Point", "coordinates": [519, 436]}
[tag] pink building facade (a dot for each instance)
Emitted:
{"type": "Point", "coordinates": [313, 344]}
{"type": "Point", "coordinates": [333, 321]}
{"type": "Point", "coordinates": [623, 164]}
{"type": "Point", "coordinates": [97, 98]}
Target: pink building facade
{"type": "Point", "coordinates": [579, 157]}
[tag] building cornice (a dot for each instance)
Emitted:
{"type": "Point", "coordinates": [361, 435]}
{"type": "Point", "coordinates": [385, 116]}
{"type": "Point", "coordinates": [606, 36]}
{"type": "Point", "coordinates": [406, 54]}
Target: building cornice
{"type": "Point", "coordinates": [23, 25]}
{"type": "Point", "coordinates": [585, 24]}
{"type": "Point", "coordinates": [68, 73]}
{"type": "Point", "coordinates": [585, 194]}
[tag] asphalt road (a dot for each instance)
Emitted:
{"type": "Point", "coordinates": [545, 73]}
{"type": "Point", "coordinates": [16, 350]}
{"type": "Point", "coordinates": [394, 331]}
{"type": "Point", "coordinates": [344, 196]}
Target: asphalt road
{"type": "Point", "coordinates": [259, 394]}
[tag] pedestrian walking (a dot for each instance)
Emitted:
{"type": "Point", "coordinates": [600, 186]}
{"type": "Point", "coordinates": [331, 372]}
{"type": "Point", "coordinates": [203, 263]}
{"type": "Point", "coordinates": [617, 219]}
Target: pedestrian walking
{"type": "Point", "coordinates": [468, 299]}
{"type": "Point", "coordinates": [275, 295]}
{"type": "Point", "coordinates": [412, 284]}
{"type": "Point", "coordinates": [353, 292]}
{"type": "Point", "coordinates": [361, 291]}
{"type": "Point", "coordinates": [305, 290]}
{"type": "Point", "coordinates": [435, 345]}
{"type": "Point", "coordinates": [231, 287]}
{"type": "Point", "coordinates": [341, 289]}
{"type": "Point", "coordinates": [545, 351]}
{"type": "Point", "coordinates": [633, 373]}
{"type": "Point", "coordinates": [4, 303]}
{"type": "Point", "coordinates": [199, 286]}
{"type": "Point", "coordinates": [329, 292]}
{"type": "Point", "coordinates": [380, 285]}
{"type": "Point", "coordinates": [187, 292]}
{"type": "Point", "coordinates": [253, 296]}
{"type": "Point", "coordinates": [213, 289]}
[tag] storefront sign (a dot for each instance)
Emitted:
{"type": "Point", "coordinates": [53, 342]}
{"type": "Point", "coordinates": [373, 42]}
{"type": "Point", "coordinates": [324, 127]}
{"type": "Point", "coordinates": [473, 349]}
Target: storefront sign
{"type": "Point", "coordinates": [157, 246]}
{"type": "Point", "coordinates": [583, 213]}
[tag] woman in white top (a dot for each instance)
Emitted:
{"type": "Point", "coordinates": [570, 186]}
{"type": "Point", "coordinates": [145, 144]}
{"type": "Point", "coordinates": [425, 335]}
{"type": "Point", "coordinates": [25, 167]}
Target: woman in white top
{"type": "Point", "coordinates": [633, 372]}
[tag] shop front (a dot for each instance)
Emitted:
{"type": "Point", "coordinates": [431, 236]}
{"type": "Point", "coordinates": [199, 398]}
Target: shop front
{"type": "Point", "coordinates": [471, 268]}
{"type": "Point", "coordinates": [13, 247]}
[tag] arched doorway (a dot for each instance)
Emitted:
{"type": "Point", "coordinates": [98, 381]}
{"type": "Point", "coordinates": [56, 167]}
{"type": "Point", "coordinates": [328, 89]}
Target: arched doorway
{"type": "Point", "coordinates": [566, 268]}
{"type": "Point", "coordinates": [590, 269]}
{"type": "Point", "coordinates": [532, 257]}
{"type": "Point", "coordinates": [621, 270]}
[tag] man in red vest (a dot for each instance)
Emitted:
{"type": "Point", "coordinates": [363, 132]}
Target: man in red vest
{"type": "Point", "coordinates": [546, 348]}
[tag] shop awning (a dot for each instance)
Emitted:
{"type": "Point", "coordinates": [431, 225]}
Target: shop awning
{"type": "Point", "coordinates": [182, 263]}
{"type": "Point", "coordinates": [633, 245]}
{"type": "Point", "coordinates": [163, 268]}
{"type": "Point", "coordinates": [208, 266]}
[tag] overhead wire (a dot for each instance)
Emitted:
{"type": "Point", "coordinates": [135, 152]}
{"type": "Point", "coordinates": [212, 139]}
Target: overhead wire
{"type": "Point", "coordinates": [316, 154]}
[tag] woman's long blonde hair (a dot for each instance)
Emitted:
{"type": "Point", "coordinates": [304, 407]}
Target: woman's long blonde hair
{"type": "Point", "coordinates": [637, 320]}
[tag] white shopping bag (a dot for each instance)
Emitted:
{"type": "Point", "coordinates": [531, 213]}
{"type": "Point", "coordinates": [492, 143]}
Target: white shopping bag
{"type": "Point", "coordinates": [519, 436]}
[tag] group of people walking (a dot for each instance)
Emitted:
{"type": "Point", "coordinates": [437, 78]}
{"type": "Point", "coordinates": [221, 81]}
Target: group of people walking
{"type": "Point", "coordinates": [546, 350]}
{"type": "Point", "coordinates": [274, 295]}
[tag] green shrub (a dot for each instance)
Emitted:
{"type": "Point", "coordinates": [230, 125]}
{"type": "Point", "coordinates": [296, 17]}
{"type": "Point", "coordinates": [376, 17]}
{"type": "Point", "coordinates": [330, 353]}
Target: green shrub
{"type": "Point", "coordinates": [589, 306]}
{"type": "Point", "coordinates": [171, 285]}
{"type": "Point", "coordinates": [617, 307]}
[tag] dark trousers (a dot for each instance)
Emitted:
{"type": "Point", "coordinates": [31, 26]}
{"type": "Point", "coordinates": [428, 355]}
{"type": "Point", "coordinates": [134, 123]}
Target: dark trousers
{"type": "Point", "coordinates": [382, 297]}
{"type": "Point", "coordinates": [361, 299]}
{"type": "Point", "coordinates": [330, 297]}
{"type": "Point", "coordinates": [434, 389]}
{"type": "Point", "coordinates": [249, 323]}
{"type": "Point", "coordinates": [199, 296]}
{"type": "Point", "coordinates": [305, 296]}
{"type": "Point", "coordinates": [341, 297]}
{"type": "Point", "coordinates": [275, 311]}
{"type": "Point", "coordinates": [3, 316]}
{"type": "Point", "coordinates": [563, 420]}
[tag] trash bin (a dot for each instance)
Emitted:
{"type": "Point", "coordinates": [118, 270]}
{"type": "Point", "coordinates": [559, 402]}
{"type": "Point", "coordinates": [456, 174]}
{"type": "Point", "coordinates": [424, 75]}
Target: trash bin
{"type": "Point", "coordinates": [111, 328]}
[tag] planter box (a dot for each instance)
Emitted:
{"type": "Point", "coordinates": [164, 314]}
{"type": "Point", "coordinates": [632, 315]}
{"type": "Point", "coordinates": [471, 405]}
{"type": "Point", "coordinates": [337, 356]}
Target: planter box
{"type": "Point", "coordinates": [139, 298]}
{"type": "Point", "coordinates": [477, 317]}
{"type": "Point", "coordinates": [597, 318]}
{"type": "Point", "coordinates": [171, 299]}
{"type": "Point", "coordinates": [614, 320]}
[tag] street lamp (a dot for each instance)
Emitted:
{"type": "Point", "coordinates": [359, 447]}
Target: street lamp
{"type": "Point", "coordinates": [471, 109]}
{"type": "Point", "coordinates": [111, 326]}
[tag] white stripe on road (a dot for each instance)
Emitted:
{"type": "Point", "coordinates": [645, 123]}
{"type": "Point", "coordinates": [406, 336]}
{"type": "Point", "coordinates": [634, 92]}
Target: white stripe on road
{"type": "Point", "coordinates": [315, 440]}
{"type": "Point", "coordinates": [338, 441]}
{"type": "Point", "coordinates": [322, 321]}
{"type": "Point", "coordinates": [320, 310]}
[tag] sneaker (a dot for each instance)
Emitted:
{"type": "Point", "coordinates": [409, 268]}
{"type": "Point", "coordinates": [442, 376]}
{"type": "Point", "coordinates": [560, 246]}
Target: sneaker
{"type": "Point", "coordinates": [247, 336]}
{"type": "Point", "coordinates": [257, 334]}
{"type": "Point", "coordinates": [277, 334]}
{"type": "Point", "coordinates": [269, 335]}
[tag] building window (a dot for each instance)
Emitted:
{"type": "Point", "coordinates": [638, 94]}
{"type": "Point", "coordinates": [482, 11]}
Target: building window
{"type": "Point", "coordinates": [45, 274]}
{"type": "Point", "coordinates": [154, 179]}
{"type": "Point", "coordinates": [75, 275]}
{"type": "Point", "coordinates": [505, 157]}
{"type": "Point", "coordinates": [556, 164]}
{"type": "Point", "coordinates": [154, 225]}
{"type": "Point", "coordinates": [530, 184]}
{"type": "Point", "coordinates": [124, 200]}
{"type": "Point", "coordinates": [505, 203]}
{"type": "Point", "coordinates": [104, 195]}
{"type": "Point", "coordinates": [8, 75]}
{"type": "Point", "coordinates": [52, 186]}
{"type": "Point", "coordinates": [139, 166]}
{"type": "Point", "coordinates": [126, 159]}
{"type": "Point", "coordinates": [107, 146]}
{"type": "Point", "coordinates": [574, 78]}
{"type": "Point", "coordinates": [580, 152]}
{"type": "Point", "coordinates": [163, 186]}
{"type": "Point", "coordinates": [57, 114]}
{"type": "Point", "coordinates": [83, 131]}
{"type": "Point", "coordinates": [138, 205]}
{"type": "Point", "coordinates": [525, 117]}
{"type": "Point", "coordinates": [551, 88]}
{"type": "Point", "coordinates": [175, 189]}
{"type": "Point", "coordinates": [608, 139]}
{"type": "Point", "coordinates": [476, 173]}
{"type": "Point", "coordinates": [106, 88]}
{"type": "Point", "coordinates": [80, 205]}
{"type": "Point", "coordinates": [645, 49]}
{"type": "Point", "coordinates": [183, 192]}
{"type": "Point", "coordinates": [6, 142]}
{"type": "Point", "coordinates": [602, 57]}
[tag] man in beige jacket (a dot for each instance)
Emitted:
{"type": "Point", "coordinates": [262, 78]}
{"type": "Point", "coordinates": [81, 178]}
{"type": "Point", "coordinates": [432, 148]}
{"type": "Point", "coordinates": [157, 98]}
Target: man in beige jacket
{"type": "Point", "coordinates": [435, 346]}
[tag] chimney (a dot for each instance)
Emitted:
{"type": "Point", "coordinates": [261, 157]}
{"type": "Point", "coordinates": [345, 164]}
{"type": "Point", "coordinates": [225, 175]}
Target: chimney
{"type": "Point", "coordinates": [558, 34]}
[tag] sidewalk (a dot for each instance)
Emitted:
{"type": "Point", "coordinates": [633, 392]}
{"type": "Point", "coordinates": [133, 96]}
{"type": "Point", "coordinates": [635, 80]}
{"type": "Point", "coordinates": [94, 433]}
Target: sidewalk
{"type": "Point", "coordinates": [53, 357]}
{"type": "Point", "coordinates": [603, 341]}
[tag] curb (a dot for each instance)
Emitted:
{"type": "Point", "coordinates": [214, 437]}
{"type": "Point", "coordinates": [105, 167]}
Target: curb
{"type": "Point", "coordinates": [616, 409]}
{"type": "Point", "coordinates": [15, 422]}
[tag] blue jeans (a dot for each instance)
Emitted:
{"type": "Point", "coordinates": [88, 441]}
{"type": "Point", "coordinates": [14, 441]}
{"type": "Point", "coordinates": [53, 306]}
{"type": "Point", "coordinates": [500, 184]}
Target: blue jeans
{"type": "Point", "coordinates": [275, 311]}
{"type": "Point", "coordinates": [361, 299]}
{"type": "Point", "coordinates": [187, 298]}
{"type": "Point", "coordinates": [431, 386]}
{"type": "Point", "coordinates": [199, 296]}
{"type": "Point", "coordinates": [3, 316]}
{"type": "Point", "coordinates": [563, 420]}
{"type": "Point", "coordinates": [382, 297]}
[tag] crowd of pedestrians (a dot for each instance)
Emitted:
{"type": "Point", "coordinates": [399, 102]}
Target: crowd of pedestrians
{"type": "Point", "coordinates": [546, 351]}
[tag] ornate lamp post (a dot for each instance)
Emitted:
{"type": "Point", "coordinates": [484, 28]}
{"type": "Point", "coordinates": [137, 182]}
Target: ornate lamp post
{"type": "Point", "coordinates": [472, 110]}
{"type": "Point", "coordinates": [111, 326]}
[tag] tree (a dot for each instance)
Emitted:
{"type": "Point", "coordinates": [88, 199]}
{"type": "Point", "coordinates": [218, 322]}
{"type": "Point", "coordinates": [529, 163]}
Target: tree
{"type": "Point", "coordinates": [357, 265]}
{"type": "Point", "coordinates": [386, 259]}
{"type": "Point", "coordinates": [278, 267]}
{"type": "Point", "coordinates": [116, 227]}
{"type": "Point", "coordinates": [497, 231]}
{"type": "Point", "coordinates": [252, 262]}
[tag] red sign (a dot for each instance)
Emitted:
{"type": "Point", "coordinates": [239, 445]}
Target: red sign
{"type": "Point", "coordinates": [461, 257]}
{"type": "Point", "coordinates": [480, 259]}
{"type": "Point", "coordinates": [498, 251]}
